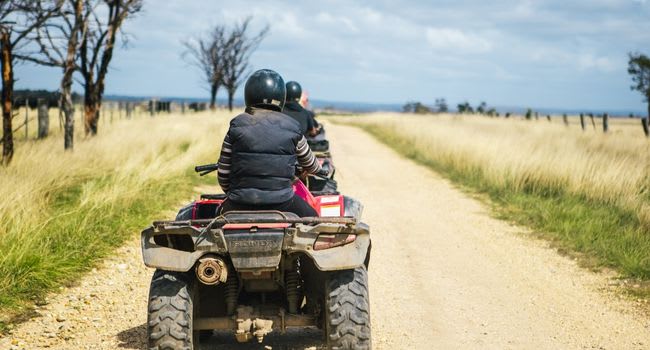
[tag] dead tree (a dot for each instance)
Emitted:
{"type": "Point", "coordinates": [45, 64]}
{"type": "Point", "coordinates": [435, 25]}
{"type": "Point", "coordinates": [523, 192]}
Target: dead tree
{"type": "Point", "coordinates": [58, 43]}
{"type": "Point", "coordinates": [238, 48]}
{"type": "Point", "coordinates": [206, 54]}
{"type": "Point", "coordinates": [96, 51]}
{"type": "Point", "coordinates": [18, 18]}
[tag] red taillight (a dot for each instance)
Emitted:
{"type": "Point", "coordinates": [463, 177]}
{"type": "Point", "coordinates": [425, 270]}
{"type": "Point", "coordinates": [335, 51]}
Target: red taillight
{"type": "Point", "coordinates": [327, 241]}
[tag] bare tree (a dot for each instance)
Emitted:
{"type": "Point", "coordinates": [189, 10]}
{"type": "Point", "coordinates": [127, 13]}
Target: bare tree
{"type": "Point", "coordinates": [237, 51]}
{"type": "Point", "coordinates": [58, 43]}
{"type": "Point", "coordinates": [96, 53]}
{"type": "Point", "coordinates": [18, 18]}
{"type": "Point", "coordinates": [206, 54]}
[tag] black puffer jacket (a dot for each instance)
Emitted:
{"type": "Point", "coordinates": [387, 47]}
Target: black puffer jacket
{"type": "Point", "coordinates": [263, 157]}
{"type": "Point", "coordinates": [301, 115]}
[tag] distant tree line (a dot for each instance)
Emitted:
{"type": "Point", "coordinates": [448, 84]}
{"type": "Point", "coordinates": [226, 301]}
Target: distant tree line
{"type": "Point", "coordinates": [31, 98]}
{"type": "Point", "coordinates": [440, 106]}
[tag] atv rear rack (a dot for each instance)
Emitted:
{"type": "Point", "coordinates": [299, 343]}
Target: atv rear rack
{"type": "Point", "coordinates": [346, 220]}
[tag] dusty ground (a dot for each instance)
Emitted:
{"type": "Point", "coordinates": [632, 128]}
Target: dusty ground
{"type": "Point", "coordinates": [443, 275]}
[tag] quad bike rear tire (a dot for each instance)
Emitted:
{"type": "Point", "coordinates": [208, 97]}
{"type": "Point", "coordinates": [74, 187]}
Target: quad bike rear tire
{"type": "Point", "coordinates": [170, 312]}
{"type": "Point", "coordinates": [347, 310]}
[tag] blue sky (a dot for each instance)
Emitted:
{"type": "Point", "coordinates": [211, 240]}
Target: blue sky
{"type": "Point", "coordinates": [545, 53]}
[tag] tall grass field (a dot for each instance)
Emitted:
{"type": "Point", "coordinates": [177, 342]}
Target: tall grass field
{"type": "Point", "coordinates": [587, 191]}
{"type": "Point", "coordinates": [61, 211]}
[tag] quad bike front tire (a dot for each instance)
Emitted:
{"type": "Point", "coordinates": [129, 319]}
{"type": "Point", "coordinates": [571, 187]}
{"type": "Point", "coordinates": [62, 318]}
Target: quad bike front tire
{"type": "Point", "coordinates": [347, 310]}
{"type": "Point", "coordinates": [170, 313]}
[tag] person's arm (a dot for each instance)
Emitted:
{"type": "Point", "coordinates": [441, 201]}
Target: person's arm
{"type": "Point", "coordinates": [224, 164]}
{"type": "Point", "coordinates": [311, 126]}
{"type": "Point", "coordinates": [316, 130]}
{"type": "Point", "coordinates": [306, 158]}
{"type": "Point", "coordinates": [313, 118]}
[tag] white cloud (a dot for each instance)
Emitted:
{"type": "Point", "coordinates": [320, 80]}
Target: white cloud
{"type": "Point", "coordinates": [553, 56]}
{"type": "Point", "coordinates": [589, 61]}
{"type": "Point", "coordinates": [454, 39]}
{"type": "Point", "coordinates": [329, 20]}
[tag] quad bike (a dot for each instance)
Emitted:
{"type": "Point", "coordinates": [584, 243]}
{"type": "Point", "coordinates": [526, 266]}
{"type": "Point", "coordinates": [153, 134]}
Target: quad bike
{"type": "Point", "coordinates": [253, 272]}
{"type": "Point", "coordinates": [320, 147]}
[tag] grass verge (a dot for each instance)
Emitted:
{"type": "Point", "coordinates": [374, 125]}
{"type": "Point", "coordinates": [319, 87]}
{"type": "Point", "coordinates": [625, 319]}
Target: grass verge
{"type": "Point", "coordinates": [64, 211]}
{"type": "Point", "coordinates": [600, 233]}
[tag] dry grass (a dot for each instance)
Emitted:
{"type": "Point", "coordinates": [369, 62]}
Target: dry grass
{"type": "Point", "coordinates": [62, 210]}
{"type": "Point", "coordinates": [577, 172]}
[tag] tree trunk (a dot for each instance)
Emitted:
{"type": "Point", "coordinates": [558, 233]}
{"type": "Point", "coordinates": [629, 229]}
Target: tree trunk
{"type": "Point", "coordinates": [91, 115]}
{"type": "Point", "coordinates": [7, 97]}
{"type": "Point", "coordinates": [231, 97]}
{"type": "Point", "coordinates": [645, 122]}
{"type": "Point", "coordinates": [91, 107]}
{"type": "Point", "coordinates": [67, 108]}
{"type": "Point", "coordinates": [213, 96]}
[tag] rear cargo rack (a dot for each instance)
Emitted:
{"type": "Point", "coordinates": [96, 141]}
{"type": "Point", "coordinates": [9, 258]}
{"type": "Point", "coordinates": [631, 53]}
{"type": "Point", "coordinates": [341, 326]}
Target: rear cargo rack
{"type": "Point", "coordinates": [347, 220]}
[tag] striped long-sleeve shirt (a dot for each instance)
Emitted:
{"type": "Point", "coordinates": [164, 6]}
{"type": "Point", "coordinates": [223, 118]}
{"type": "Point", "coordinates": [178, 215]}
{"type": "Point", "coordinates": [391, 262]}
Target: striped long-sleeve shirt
{"type": "Point", "coordinates": [306, 160]}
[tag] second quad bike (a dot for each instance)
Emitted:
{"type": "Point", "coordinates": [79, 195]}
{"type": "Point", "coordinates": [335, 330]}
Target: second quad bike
{"type": "Point", "coordinates": [320, 147]}
{"type": "Point", "coordinates": [254, 272]}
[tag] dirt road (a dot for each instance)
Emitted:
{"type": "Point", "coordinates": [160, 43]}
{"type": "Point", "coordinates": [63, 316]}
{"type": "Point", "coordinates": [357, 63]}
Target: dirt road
{"type": "Point", "coordinates": [443, 275]}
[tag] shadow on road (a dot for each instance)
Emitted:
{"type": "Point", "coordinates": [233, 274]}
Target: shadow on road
{"type": "Point", "coordinates": [133, 338]}
{"type": "Point", "coordinates": [136, 339]}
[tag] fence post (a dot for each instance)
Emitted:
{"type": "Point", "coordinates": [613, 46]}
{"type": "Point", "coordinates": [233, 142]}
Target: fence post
{"type": "Point", "coordinates": [593, 122]}
{"type": "Point", "coordinates": [582, 121]}
{"type": "Point", "coordinates": [565, 119]}
{"type": "Point", "coordinates": [605, 123]}
{"type": "Point", "coordinates": [646, 128]}
{"type": "Point", "coordinates": [43, 118]}
{"type": "Point", "coordinates": [548, 117]}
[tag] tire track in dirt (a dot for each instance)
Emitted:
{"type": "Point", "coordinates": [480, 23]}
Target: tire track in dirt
{"type": "Point", "coordinates": [443, 274]}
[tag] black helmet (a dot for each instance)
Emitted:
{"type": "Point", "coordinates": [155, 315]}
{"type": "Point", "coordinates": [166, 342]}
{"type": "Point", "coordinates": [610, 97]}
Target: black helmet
{"type": "Point", "coordinates": [294, 91]}
{"type": "Point", "coordinates": [265, 89]}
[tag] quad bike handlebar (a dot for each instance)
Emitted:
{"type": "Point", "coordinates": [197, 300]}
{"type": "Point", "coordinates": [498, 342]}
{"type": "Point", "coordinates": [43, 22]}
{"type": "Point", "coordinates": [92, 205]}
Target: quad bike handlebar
{"type": "Point", "coordinates": [206, 169]}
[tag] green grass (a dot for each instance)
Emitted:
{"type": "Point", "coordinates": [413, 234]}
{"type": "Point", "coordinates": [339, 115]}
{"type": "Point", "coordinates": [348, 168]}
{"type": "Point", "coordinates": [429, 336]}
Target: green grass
{"type": "Point", "coordinates": [64, 211]}
{"type": "Point", "coordinates": [76, 236]}
{"type": "Point", "coordinates": [601, 234]}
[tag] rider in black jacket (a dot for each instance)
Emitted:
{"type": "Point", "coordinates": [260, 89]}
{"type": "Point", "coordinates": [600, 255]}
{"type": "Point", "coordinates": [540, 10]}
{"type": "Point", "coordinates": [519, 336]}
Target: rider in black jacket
{"type": "Point", "coordinates": [293, 109]}
{"type": "Point", "coordinates": [260, 152]}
